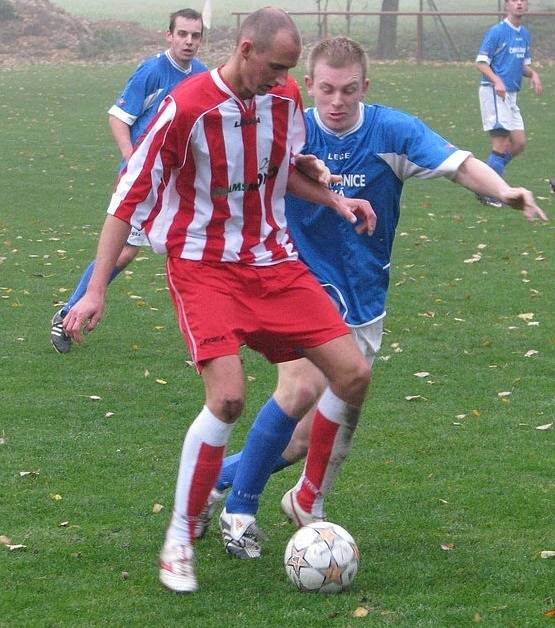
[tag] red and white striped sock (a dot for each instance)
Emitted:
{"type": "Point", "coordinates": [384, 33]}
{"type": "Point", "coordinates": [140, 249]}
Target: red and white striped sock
{"type": "Point", "coordinates": [330, 442]}
{"type": "Point", "coordinates": [201, 460]}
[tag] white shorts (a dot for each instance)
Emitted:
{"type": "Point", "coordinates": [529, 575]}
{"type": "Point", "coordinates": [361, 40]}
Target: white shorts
{"type": "Point", "coordinates": [137, 237]}
{"type": "Point", "coordinates": [369, 339]}
{"type": "Point", "coordinates": [498, 114]}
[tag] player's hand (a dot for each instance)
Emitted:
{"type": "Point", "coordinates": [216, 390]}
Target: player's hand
{"type": "Point", "coordinates": [536, 83]}
{"type": "Point", "coordinates": [316, 169]}
{"type": "Point", "coordinates": [353, 209]}
{"type": "Point", "coordinates": [83, 317]}
{"type": "Point", "coordinates": [500, 88]}
{"type": "Point", "coordinates": [523, 199]}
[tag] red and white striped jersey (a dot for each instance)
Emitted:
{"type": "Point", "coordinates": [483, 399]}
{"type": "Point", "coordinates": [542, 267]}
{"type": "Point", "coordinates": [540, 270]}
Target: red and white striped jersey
{"type": "Point", "coordinates": [207, 182]}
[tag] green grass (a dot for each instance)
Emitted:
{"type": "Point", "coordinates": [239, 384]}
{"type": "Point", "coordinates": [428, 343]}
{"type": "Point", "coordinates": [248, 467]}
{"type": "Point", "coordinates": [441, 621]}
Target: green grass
{"type": "Point", "coordinates": [419, 475]}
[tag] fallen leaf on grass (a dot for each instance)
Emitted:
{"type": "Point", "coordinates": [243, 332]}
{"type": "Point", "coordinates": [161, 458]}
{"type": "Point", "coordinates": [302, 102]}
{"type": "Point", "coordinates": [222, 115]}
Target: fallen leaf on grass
{"type": "Point", "coordinates": [415, 398]}
{"type": "Point", "coordinates": [545, 427]}
{"type": "Point", "coordinates": [526, 316]}
{"type": "Point", "coordinates": [16, 547]}
{"type": "Point", "coordinates": [109, 414]}
{"type": "Point", "coordinates": [147, 373]}
{"type": "Point", "coordinates": [63, 524]}
{"type": "Point", "coordinates": [550, 613]}
{"type": "Point", "coordinates": [5, 540]}
{"type": "Point", "coordinates": [157, 508]}
{"type": "Point", "coordinates": [427, 314]}
{"type": "Point", "coordinates": [161, 381]}
{"type": "Point", "coordinates": [361, 611]}
{"type": "Point", "coordinates": [33, 474]}
{"type": "Point", "coordinates": [506, 393]}
{"type": "Point", "coordinates": [422, 374]}
{"type": "Point", "coordinates": [56, 497]}
{"type": "Point", "coordinates": [531, 353]}
{"type": "Point", "coordinates": [547, 554]}
{"type": "Point", "coordinates": [447, 547]}
{"type": "Point", "coordinates": [95, 398]}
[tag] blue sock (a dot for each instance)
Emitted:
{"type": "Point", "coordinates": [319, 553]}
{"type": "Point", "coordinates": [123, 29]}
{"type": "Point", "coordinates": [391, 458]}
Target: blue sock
{"type": "Point", "coordinates": [268, 437]}
{"type": "Point", "coordinates": [229, 469]}
{"type": "Point", "coordinates": [497, 162]}
{"type": "Point", "coordinates": [82, 286]}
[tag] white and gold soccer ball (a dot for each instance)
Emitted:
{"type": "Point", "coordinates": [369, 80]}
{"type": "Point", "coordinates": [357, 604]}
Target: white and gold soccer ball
{"type": "Point", "coordinates": [321, 557]}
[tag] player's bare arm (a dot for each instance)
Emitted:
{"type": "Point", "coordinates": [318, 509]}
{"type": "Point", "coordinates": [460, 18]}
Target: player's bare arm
{"type": "Point", "coordinates": [316, 169]}
{"type": "Point", "coordinates": [534, 77]}
{"type": "Point", "coordinates": [352, 209]}
{"type": "Point", "coordinates": [122, 136]}
{"type": "Point", "coordinates": [497, 82]}
{"type": "Point", "coordinates": [480, 178]}
{"type": "Point", "coordinates": [87, 312]}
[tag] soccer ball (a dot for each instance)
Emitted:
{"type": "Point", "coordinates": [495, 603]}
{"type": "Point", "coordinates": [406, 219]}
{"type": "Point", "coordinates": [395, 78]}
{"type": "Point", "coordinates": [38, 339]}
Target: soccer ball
{"type": "Point", "coordinates": [321, 557]}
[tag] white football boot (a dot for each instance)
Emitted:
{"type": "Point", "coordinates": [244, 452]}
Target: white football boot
{"type": "Point", "coordinates": [177, 568]}
{"type": "Point", "coordinates": [241, 537]}
{"type": "Point", "coordinates": [294, 512]}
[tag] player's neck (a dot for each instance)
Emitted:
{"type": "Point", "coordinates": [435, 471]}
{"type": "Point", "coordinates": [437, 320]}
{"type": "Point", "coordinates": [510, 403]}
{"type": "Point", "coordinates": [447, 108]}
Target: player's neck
{"type": "Point", "coordinates": [515, 20]}
{"type": "Point", "coordinates": [230, 73]}
{"type": "Point", "coordinates": [184, 65]}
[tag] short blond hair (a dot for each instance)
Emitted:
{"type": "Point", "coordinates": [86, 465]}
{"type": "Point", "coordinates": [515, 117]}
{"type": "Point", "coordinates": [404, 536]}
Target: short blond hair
{"type": "Point", "coordinates": [338, 52]}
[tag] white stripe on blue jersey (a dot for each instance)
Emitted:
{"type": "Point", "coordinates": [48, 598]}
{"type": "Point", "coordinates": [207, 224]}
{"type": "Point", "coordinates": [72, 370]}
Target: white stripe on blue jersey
{"type": "Point", "coordinates": [506, 49]}
{"type": "Point", "coordinates": [374, 159]}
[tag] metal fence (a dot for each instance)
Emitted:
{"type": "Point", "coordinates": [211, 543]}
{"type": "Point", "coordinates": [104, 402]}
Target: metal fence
{"type": "Point", "coordinates": [443, 35]}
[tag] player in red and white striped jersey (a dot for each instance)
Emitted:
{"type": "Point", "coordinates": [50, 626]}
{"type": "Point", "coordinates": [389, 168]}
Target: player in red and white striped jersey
{"type": "Point", "coordinates": [227, 161]}
{"type": "Point", "coordinates": [207, 183]}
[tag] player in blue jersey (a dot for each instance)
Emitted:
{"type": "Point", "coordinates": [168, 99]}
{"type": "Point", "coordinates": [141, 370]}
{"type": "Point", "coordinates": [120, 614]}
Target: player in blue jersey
{"type": "Point", "coordinates": [129, 117]}
{"type": "Point", "coordinates": [373, 150]}
{"type": "Point", "coordinates": [504, 58]}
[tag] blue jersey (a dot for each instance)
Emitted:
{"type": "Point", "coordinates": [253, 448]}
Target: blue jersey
{"type": "Point", "coordinates": [506, 49]}
{"type": "Point", "coordinates": [374, 159]}
{"type": "Point", "coordinates": [147, 87]}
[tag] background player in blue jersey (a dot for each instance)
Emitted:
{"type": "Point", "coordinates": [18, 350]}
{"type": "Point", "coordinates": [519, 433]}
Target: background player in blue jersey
{"type": "Point", "coordinates": [374, 150]}
{"type": "Point", "coordinates": [129, 117]}
{"type": "Point", "coordinates": [504, 58]}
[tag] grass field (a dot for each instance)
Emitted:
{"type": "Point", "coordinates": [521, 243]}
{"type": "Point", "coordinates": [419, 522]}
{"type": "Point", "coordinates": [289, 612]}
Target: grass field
{"type": "Point", "coordinates": [459, 466]}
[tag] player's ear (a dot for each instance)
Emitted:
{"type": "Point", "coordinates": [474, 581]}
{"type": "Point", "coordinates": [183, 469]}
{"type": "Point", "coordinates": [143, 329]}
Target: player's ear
{"type": "Point", "coordinates": [246, 48]}
{"type": "Point", "coordinates": [169, 36]}
{"type": "Point", "coordinates": [365, 86]}
{"type": "Point", "coordinates": [309, 84]}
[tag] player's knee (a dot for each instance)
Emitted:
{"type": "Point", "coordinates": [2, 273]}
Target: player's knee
{"type": "Point", "coordinates": [518, 147]}
{"type": "Point", "coordinates": [305, 395]}
{"type": "Point", "coordinates": [297, 395]}
{"type": "Point", "coordinates": [232, 407]}
{"type": "Point", "coordinates": [360, 376]}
